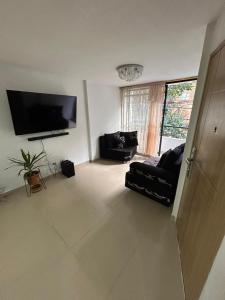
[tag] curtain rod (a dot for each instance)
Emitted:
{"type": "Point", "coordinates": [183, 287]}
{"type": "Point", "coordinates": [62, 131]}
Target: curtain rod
{"type": "Point", "coordinates": [142, 85]}
{"type": "Point", "coordinates": [160, 82]}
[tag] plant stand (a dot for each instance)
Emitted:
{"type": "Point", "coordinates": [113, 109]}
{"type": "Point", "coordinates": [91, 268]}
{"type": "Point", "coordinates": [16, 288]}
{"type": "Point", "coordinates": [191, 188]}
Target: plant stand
{"type": "Point", "coordinates": [36, 186]}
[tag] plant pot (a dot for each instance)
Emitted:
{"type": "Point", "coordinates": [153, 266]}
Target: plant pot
{"type": "Point", "coordinates": [34, 179]}
{"type": "Point", "coordinates": [33, 182]}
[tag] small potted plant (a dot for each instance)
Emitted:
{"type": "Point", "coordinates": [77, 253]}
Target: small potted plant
{"type": "Point", "coordinates": [29, 167]}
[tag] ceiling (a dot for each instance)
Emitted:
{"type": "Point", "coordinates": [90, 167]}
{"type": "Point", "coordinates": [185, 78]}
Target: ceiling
{"type": "Point", "coordinates": [89, 39]}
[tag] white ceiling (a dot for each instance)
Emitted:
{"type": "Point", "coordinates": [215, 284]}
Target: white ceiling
{"type": "Point", "coordinates": [90, 38]}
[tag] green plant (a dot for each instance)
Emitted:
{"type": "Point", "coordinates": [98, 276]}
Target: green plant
{"type": "Point", "coordinates": [28, 163]}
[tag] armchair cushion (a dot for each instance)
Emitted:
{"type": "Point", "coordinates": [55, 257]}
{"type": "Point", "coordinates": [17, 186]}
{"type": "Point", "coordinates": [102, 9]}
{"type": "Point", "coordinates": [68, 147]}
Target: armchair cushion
{"type": "Point", "coordinates": [130, 138]}
{"type": "Point", "coordinates": [119, 142]}
{"type": "Point", "coordinates": [112, 139]}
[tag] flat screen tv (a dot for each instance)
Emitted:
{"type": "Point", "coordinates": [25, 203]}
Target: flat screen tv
{"type": "Point", "coordinates": [38, 112]}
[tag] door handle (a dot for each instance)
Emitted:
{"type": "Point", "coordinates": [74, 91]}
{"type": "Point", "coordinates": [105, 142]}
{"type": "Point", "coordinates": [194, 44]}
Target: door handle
{"type": "Point", "coordinates": [189, 164]}
{"type": "Point", "coordinates": [189, 160]}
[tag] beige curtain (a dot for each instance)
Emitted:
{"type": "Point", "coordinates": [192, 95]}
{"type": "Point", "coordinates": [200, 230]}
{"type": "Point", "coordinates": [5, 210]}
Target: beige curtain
{"type": "Point", "coordinates": [157, 94]}
{"type": "Point", "coordinates": [135, 113]}
{"type": "Point", "coordinates": [141, 111]}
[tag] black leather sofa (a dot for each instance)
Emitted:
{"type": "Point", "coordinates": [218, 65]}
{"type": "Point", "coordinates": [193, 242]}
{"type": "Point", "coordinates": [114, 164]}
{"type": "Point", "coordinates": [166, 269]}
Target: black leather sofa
{"type": "Point", "coordinates": [157, 178]}
{"type": "Point", "coordinates": [121, 146]}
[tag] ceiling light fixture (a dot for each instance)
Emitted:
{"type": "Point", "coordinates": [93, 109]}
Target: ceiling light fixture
{"type": "Point", "coordinates": [130, 72]}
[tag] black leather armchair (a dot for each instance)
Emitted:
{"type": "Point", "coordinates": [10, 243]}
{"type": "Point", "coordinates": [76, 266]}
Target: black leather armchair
{"type": "Point", "coordinates": [122, 151]}
{"type": "Point", "coordinates": [158, 182]}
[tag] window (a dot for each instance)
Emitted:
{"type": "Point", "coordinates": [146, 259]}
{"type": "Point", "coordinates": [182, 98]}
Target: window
{"type": "Point", "coordinates": [176, 114]}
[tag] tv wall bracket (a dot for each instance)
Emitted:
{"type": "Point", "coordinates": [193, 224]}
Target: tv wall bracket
{"type": "Point", "coordinates": [48, 136]}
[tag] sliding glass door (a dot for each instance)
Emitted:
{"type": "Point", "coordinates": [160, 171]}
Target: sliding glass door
{"type": "Point", "coordinates": [177, 109]}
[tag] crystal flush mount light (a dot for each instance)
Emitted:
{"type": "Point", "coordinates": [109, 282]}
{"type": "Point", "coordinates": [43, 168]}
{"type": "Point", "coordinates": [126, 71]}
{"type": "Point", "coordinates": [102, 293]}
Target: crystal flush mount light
{"type": "Point", "coordinates": [130, 72]}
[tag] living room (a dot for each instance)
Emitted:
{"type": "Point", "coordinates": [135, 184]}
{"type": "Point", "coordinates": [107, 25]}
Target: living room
{"type": "Point", "coordinates": [89, 236]}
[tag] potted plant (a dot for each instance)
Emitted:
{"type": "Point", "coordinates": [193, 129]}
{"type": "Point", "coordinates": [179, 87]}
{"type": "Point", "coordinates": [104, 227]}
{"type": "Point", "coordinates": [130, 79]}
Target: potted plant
{"type": "Point", "coordinates": [29, 166]}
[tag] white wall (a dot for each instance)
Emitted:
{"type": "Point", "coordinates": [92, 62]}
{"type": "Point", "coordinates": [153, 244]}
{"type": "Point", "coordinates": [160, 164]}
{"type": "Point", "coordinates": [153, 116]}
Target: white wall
{"type": "Point", "coordinates": [74, 146]}
{"type": "Point", "coordinates": [104, 107]}
{"type": "Point", "coordinates": [215, 34]}
{"type": "Point", "coordinates": [214, 288]}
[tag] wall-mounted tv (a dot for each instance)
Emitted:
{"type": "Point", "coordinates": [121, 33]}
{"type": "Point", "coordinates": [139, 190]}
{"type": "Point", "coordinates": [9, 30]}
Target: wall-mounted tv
{"type": "Point", "coordinates": [38, 112]}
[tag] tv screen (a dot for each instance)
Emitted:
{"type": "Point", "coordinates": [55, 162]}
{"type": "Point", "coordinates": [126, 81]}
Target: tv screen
{"type": "Point", "coordinates": [38, 112]}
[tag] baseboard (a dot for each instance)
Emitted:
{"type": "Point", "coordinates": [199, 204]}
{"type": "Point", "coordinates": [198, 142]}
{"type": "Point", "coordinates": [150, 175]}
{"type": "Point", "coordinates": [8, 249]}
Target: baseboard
{"type": "Point", "coordinates": [173, 218]}
{"type": "Point", "coordinates": [9, 192]}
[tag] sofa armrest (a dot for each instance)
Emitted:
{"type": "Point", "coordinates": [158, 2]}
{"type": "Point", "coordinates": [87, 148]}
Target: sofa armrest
{"type": "Point", "coordinates": [146, 170]}
{"type": "Point", "coordinates": [102, 146]}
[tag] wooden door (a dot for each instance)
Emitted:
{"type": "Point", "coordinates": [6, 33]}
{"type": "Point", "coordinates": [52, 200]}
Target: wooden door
{"type": "Point", "coordinates": [201, 217]}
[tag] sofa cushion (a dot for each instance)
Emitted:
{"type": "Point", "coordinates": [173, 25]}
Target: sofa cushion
{"type": "Point", "coordinates": [130, 138]}
{"type": "Point", "coordinates": [169, 160]}
{"type": "Point", "coordinates": [151, 171]}
{"type": "Point", "coordinates": [162, 158]}
{"type": "Point", "coordinates": [179, 149]}
{"type": "Point", "coordinates": [177, 164]}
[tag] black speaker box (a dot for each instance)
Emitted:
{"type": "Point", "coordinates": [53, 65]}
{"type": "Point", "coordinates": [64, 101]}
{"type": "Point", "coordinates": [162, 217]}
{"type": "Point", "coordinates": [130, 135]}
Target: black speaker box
{"type": "Point", "coordinates": [67, 167]}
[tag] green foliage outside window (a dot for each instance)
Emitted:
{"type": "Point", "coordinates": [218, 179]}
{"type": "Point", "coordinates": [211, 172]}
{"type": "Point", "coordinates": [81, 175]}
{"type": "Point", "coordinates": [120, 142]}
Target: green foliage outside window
{"type": "Point", "coordinates": [177, 120]}
{"type": "Point", "coordinates": [174, 118]}
{"type": "Point", "coordinates": [176, 90]}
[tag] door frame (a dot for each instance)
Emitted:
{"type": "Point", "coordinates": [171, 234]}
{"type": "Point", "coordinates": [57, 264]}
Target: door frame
{"type": "Point", "coordinates": [195, 132]}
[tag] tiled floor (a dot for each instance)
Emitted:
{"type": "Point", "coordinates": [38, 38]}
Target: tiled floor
{"type": "Point", "coordinates": [88, 238]}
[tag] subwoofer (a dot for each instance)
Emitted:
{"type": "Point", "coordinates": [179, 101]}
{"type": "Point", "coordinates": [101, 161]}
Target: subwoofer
{"type": "Point", "coordinates": [67, 167]}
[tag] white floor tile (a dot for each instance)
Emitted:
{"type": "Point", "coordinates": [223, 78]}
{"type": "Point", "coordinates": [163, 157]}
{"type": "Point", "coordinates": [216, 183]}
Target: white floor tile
{"type": "Point", "coordinates": [88, 237]}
